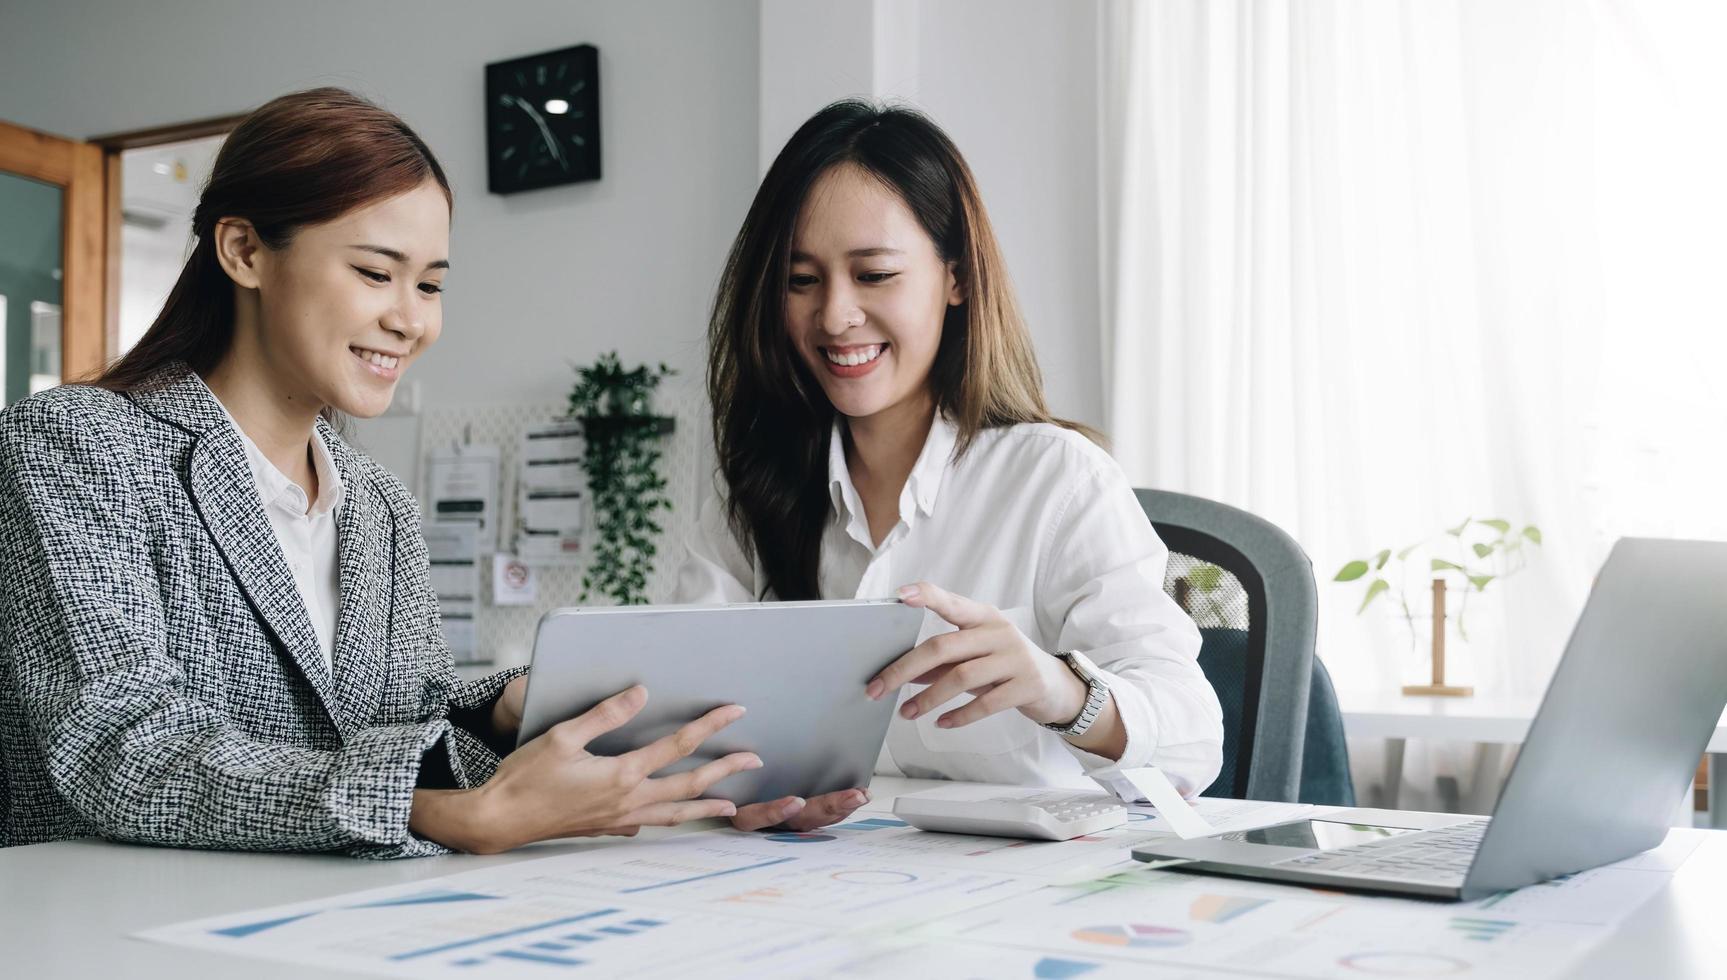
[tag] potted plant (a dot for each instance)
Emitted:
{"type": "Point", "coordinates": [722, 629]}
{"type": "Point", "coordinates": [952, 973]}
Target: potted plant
{"type": "Point", "coordinates": [1467, 558]}
{"type": "Point", "coordinates": [622, 458]}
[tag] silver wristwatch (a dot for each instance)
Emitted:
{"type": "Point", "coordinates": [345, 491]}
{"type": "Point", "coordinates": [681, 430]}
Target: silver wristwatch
{"type": "Point", "coordinates": [1096, 695]}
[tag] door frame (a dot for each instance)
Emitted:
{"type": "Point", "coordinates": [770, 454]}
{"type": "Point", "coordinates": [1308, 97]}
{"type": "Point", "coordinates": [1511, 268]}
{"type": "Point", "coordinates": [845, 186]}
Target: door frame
{"type": "Point", "coordinates": [79, 170]}
{"type": "Point", "coordinates": [111, 146]}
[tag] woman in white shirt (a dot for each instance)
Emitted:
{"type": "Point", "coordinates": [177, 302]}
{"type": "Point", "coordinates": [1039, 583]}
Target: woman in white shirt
{"type": "Point", "coordinates": [879, 420]}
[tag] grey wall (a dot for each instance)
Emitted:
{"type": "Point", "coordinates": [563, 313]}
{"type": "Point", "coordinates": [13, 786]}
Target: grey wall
{"type": "Point", "coordinates": [540, 278]}
{"type": "Point", "coordinates": [690, 107]}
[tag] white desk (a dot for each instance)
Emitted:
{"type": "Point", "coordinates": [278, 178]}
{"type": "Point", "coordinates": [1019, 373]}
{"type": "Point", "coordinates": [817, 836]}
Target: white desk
{"type": "Point", "coordinates": [66, 909]}
{"type": "Point", "coordinates": [1492, 723]}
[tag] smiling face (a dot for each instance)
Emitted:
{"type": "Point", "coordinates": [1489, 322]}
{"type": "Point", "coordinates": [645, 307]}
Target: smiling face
{"type": "Point", "coordinates": [346, 305]}
{"type": "Point", "coordinates": [867, 295]}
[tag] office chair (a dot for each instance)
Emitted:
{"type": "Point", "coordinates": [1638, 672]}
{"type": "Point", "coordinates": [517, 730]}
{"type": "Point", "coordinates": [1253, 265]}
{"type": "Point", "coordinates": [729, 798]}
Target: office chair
{"type": "Point", "coordinates": [1250, 589]}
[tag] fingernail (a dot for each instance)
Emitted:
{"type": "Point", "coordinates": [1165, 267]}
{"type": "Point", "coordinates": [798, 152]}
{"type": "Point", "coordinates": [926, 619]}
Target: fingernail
{"type": "Point", "coordinates": [738, 711]}
{"type": "Point", "coordinates": [944, 723]}
{"type": "Point", "coordinates": [794, 806]}
{"type": "Point", "coordinates": [909, 711]}
{"type": "Point", "coordinates": [859, 798]}
{"type": "Point", "coordinates": [865, 794]}
{"type": "Point", "coordinates": [730, 811]}
{"type": "Point", "coordinates": [873, 691]}
{"type": "Point", "coordinates": [753, 762]}
{"type": "Point", "coordinates": [909, 592]}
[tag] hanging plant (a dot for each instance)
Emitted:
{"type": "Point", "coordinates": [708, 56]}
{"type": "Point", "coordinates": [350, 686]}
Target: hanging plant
{"type": "Point", "coordinates": [622, 462]}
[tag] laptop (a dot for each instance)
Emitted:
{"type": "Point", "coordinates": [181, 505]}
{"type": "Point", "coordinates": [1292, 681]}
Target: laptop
{"type": "Point", "coordinates": [798, 667]}
{"type": "Point", "coordinates": [1628, 713]}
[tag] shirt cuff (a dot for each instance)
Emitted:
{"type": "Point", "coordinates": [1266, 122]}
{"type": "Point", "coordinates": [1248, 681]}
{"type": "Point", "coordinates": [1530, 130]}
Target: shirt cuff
{"type": "Point", "coordinates": [1137, 720]}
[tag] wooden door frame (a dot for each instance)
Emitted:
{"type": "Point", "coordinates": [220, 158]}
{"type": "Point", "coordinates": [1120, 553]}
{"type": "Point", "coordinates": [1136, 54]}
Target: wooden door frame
{"type": "Point", "coordinates": [79, 170]}
{"type": "Point", "coordinates": [112, 145]}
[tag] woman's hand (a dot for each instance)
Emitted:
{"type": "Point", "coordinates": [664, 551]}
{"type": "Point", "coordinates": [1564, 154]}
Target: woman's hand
{"type": "Point", "coordinates": [553, 787]}
{"type": "Point", "coordinates": [988, 657]}
{"type": "Point", "coordinates": [795, 813]}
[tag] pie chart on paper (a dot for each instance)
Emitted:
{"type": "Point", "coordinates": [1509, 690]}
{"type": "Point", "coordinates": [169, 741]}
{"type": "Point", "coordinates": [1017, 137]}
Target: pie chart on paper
{"type": "Point", "coordinates": [1133, 934]}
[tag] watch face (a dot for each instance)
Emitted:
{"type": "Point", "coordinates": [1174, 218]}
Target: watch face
{"type": "Point", "coordinates": [543, 120]}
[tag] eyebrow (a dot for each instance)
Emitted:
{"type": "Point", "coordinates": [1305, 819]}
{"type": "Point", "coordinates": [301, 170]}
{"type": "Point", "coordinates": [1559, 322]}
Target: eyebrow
{"type": "Point", "coordinates": [394, 255]}
{"type": "Point", "coordinates": [856, 253]}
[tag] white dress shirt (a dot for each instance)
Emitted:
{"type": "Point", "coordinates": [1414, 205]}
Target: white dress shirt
{"type": "Point", "coordinates": [306, 532]}
{"type": "Point", "coordinates": [1039, 522]}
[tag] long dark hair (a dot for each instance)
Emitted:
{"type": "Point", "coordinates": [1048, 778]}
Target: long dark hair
{"type": "Point", "coordinates": [771, 418]}
{"type": "Point", "coordinates": [302, 159]}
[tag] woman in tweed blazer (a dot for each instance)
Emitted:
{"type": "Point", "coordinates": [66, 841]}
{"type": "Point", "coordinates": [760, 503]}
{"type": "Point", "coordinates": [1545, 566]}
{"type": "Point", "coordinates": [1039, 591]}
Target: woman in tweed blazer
{"type": "Point", "coordinates": [163, 677]}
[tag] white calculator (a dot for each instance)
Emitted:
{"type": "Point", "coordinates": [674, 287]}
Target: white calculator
{"type": "Point", "coordinates": [997, 811]}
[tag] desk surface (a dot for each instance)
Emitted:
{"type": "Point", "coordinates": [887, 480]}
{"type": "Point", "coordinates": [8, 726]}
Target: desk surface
{"type": "Point", "coordinates": [1474, 719]}
{"type": "Point", "coordinates": [67, 909]}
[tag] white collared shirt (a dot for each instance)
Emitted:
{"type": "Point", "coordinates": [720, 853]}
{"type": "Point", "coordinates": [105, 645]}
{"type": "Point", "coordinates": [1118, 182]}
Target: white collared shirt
{"type": "Point", "coordinates": [1041, 523]}
{"type": "Point", "coordinates": [306, 532]}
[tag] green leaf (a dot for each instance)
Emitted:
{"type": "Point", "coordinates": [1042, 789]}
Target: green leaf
{"type": "Point", "coordinates": [1380, 559]}
{"type": "Point", "coordinates": [1351, 571]}
{"type": "Point", "coordinates": [1441, 565]}
{"type": "Point", "coordinates": [1374, 588]}
{"type": "Point", "coordinates": [1404, 554]}
{"type": "Point", "coordinates": [1483, 550]}
{"type": "Point", "coordinates": [1457, 531]}
{"type": "Point", "coordinates": [1480, 581]}
{"type": "Point", "coordinates": [1503, 527]}
{"type": "Point", "coordinates": [1533, 533]}
{"type": "Point", "coordinates": [1205, 578]}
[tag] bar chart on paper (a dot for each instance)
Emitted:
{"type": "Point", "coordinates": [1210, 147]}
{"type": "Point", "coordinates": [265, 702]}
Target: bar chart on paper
{"type": "Point", "coordinates": [451, 932]}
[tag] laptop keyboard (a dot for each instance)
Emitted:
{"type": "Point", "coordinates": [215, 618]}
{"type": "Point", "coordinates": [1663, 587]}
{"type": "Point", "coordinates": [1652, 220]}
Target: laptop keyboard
{"type": "Point", "coordinates": [1435, 856]}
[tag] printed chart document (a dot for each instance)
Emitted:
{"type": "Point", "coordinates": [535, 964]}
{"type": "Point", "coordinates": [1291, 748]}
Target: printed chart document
{"type": "Point", "coordinates": [876, 898]}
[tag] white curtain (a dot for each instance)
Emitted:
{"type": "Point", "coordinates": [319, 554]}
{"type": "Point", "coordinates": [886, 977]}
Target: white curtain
{"type": "Point", "coordinates": [1371, 267]}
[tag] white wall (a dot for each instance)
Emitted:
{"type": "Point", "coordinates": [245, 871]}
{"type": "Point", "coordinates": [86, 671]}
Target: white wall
{"type": "Point", "coordinates": [1014, 82]}
{"type": "Point", "coordinates": [540, 279]}
{"type": "Point", "coordinates": [696, 96]}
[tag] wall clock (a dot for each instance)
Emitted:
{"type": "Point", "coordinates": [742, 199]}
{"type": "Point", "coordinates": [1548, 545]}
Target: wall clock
{"type": "Point", "coordinates": [543, 120]}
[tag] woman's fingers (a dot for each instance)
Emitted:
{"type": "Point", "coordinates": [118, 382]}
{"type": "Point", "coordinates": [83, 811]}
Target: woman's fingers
{"type": "Point", "coordinates": [976, 673]}
{"type": "Point", "coordinates": [680, 811]}
{"type": "Point", "coordinates": [609, 714]}
{"type": "Point", "coordinates": [662, 752]}
{"type": "Point", "coordinates": [759, 816]}
{"type": "Point", "coordinates": [937, 651]}
{"type": "Point", "coordinates": [829, 808]}
{"type": "Point", "coordinates": [951, 606]}
{"type": "Point", "coordinates": [688, 785]}
{"type": "Point", "coordinates": [1013, 694]}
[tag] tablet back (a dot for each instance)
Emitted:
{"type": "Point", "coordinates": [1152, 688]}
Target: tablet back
{"type": "Point", "coordinates": [799, 667]}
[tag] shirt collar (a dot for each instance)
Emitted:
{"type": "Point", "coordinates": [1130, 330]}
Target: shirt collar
{"type": "Point", "coordinates": [921, 487]}
{"type": "Point", "coordinates": [274, 487]}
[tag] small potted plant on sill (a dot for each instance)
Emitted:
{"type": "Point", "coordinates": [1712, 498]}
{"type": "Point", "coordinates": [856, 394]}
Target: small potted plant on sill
{"type": "Point", "coordinates": [622, 460]}
{"type": "Point", "coordinates": [1478, 552]}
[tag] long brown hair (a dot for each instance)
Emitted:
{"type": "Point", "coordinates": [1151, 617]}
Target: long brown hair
{"type": "Point", "coordinates": [771, 419]}
{"type": "Point", "coordinates": [302, 159]}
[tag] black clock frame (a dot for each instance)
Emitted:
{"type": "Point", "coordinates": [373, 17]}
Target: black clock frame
{"type": "Point", "coordinates": [516, 78]}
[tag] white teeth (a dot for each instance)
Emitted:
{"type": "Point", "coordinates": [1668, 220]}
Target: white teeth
{"type": "Point", "coordinates": [374, 357]}
{"type": "Point", "coordinates": [852, 358]}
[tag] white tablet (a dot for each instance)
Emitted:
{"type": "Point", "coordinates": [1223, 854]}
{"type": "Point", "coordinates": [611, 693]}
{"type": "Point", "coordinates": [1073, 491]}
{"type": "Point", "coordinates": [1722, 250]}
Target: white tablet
{"type": "Point", "coordinates": [799, 667]}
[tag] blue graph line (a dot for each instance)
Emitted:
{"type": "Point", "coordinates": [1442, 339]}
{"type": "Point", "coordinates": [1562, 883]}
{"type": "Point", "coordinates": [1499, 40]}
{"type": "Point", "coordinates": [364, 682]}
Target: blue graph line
{"type": "Point", "coordinates": [711, 874]}
{"type": "Point", "coordinates": [251, 928]}
{"type": "Point", "coordinates": [458, 944]}
{"type": "Point", "coordinates": [520, 954]}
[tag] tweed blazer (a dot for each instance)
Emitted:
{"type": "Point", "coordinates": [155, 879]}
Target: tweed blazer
{"type": "Point", "coordinates": [160, 681]}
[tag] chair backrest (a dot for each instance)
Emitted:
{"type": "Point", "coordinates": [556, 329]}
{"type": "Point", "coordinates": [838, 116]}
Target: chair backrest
{"type": "Point", "coordinates": [1250, 589]}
